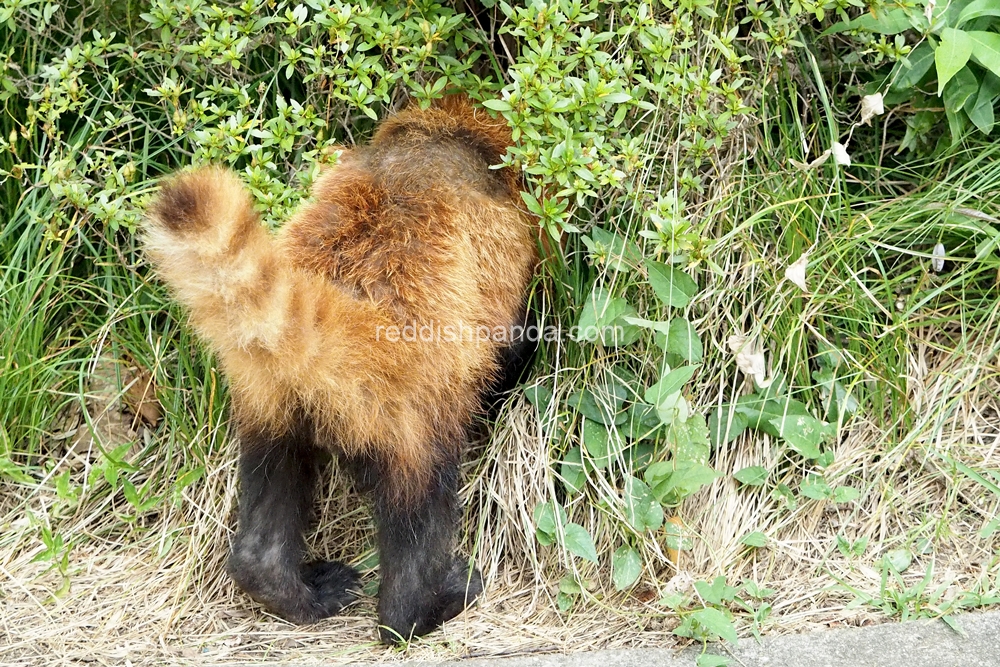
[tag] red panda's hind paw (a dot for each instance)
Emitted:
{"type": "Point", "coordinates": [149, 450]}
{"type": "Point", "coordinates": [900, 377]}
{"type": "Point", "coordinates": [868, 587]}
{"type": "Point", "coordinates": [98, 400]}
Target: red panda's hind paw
{"type": "Point", "coordinates": [333, 584]}
{"type": "Point", "coordinates": [458, 591]}
{"type": "Point", "coordinates": [461, 589]}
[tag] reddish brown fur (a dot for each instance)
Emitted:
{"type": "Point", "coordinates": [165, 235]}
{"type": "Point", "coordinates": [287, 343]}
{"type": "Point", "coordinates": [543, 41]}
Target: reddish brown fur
{"type": "Point", "coordinates": [411, 229]}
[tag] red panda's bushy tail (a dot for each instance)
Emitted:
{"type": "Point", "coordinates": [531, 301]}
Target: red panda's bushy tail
{"type": "Point", "coordinates": [208, 244]}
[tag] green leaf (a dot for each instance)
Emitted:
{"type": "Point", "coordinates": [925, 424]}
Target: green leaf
{"type": "Point", "coordinates": [673, 287]}
{"type": "Point", "coordinates": [976, 9]}
{"type": "Point", "coordinates": [670, 383]}
{"type": "Point", "coordinates": [497, 105]}
{"type": "Point", "coordinates": [755, 539]}
{"type": "Point", "coordinates": [725, 425]}
{"type": "Point", "coordinates": [548, 516]}
{"type": "Point", "coordinates": [982, 111]}
{"type": "Point", "coordinates": [717, 623]}
{"type": "Point", "coordinates": [616, 251]}
{"type": "Point", "coordinates": [711, 660]}
{"type": "Point", "coordinates": [626, 566]}
{"type": "Point", "coordinates": [951, 55]}
{"type": "Point", "coordinates": [671, 483]}
{"type": "Point", "coordinates": [602, 446]}
{"type": "Point", "coordinates": [845, 494]}
{"type": "Point", "coordinates": [683, 340]}
{"type": "Point", "coordinates": [579, 542]}
{"type": "Point", "coordinates": [892, 22]}
{"type": "Point", "coordinates": [604, 411]}
{"type": "Point", "coordinates": [571, 471]}
{"type": "Point", "coordinates": [718, 592]}
{"type": "Point", "coordinates": [898, 559]}
{"type": "Point", "coordinates": [641, 510]}
{"type": "Point", "coordinates": [959, 90]}
{"type": "Point", "coordinates": [802, 432]}
{"type": "Point", "coordinates": [920, 60]}
{"type": "Point", "coordinates": [690, 440]}
{"type": "Point", "coordinates": [815, 487]}
{"type": "Point", "coordinates": [539, 396]}
{"type": "Point", "coordinates": [13, 471]}
{"type": "Point", "coordinates": [603, 318]}
{"type": "Point", "coordinates": [642, 421]}
{"type": "Point", "coordinates": [752, 476]}
{"type": "Point", "coordinates": [986, 49]}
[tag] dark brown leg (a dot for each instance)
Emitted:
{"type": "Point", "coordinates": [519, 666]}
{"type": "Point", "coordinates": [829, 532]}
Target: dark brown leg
{"type": "Point", "coordinates": [277, 482]}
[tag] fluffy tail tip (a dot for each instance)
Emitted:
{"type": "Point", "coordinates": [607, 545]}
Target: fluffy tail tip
{"type": "Point", "coordinates": [195, 200]}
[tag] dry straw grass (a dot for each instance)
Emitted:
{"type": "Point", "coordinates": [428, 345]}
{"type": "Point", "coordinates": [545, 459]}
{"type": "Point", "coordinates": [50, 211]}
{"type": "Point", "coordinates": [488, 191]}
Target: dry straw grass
{"type": "Point", "coordinates": [155, 591]}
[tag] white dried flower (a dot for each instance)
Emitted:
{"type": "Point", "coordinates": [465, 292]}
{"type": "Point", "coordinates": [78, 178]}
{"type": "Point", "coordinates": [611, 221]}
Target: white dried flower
{"type": "Point", "coordinates": [840, 155]}
{"type": "Point", "coordinates": [796, 272]}
{"type": "Point", "coordinates": [937, 258]}
{"type": "Point", "coordinates": [749, 357]}
{"type": "Point", "coordinates": [871, 106]}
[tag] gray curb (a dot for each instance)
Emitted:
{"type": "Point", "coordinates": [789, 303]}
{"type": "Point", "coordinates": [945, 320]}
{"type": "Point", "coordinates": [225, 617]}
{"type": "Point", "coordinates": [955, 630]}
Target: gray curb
{"type": "Point", "coordinates": [913, 644]}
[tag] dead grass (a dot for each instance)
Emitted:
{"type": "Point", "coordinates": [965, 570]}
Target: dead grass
{"type": "Point", "coordinates": [154, 591]}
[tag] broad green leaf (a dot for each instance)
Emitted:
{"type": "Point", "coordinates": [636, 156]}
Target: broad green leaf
{"type": "Point", "coordinates": [899, 559]}
{"type": "Point", "coordinates": [717, 623]}
{"type": "Point", "coordinates": [845, 494]}
{"type": "Point", "coordinates": [689, 440]}
{"type": "Point", "coordinates": [673, 408]}
{"type": "Point", "coordinates": [602, 445]}
{"type": "Point", "coordinates": [676, 536]}
{"type": "Point", "coordinates": [802, 432]}
{"type": "Point", "coordinates": [13, 471]}
{"type": "Point", "coordinates": [717, 592]}
{"type": "Point", "coordinates": [982, 111]}
{"type": "Point", "coordinates": [613, 249]}
{"type": "Point", "coordinates": [960, 90]}
{"type": "Point", "coordinates": [815, 487]}
{"type": "Point", "coordinates": [976, 9]}
{"type": "Point", "coordinates": [642, 421]}
{"type": "Point", "coordinates": [603, 409]}
{"type": "Point", "coordinates": [920, 60]}
{"type": "Point", "coordinates": [986, 49]}
{"type": "Point", "coordinates": [641, 510]}
{"type": "Point", "coordinates": [548, 516]}
{"type": "Point", "coordinates": [711, 660]}
{"type": "Point", "coordinates": [683, 340]}
{"type": "Point", "coordinates": [539, 396]}
{"type": "Point", "coordinates": [626, 566]}
{"type": "Point", "coordinates": [891, 22]}
{"type": "Point", "coordinates": [595, 440]}
{"type": "Point", "coordinates": [579, 542]}
{"type": "Point", "coordinates": [571, 471]}
{"type": "Point", "coordinates": [673, 287]}
{"type": "Point", "coordinates": [569, 585]}
{"type": "Point", "coordinates": [760, 410]}
{"type": "Point", "coordinates": [670, 383]}
{"type": "Point", "coordinates": [752, 476]}
{"type": "Point", "coordinates": [602, 319]}
{"type": "Point", "coordinates": [951, 55]}
{"type": "Point", "coordinates": [725, 425]}
{"type": "Point", "coordinates": [755, 539]}
{"type": "Point", "coordinates": [672, 483]}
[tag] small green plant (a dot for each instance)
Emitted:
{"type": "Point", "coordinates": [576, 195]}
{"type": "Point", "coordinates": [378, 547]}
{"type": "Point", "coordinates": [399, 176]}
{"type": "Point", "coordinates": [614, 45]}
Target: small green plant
{"type": "Point", "coordinates": [943, 53]}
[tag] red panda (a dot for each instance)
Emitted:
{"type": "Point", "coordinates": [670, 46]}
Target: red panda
{"type": "Point", "coordinates": [373, 325]}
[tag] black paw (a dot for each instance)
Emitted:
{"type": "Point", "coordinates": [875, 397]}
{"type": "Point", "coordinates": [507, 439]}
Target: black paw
{"type": "Point", "coordinates": [413, 615]}
{"type": "Point", "coordinates": [461, 588]}
{"type": "Point", "coordinates": [334, 585]}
